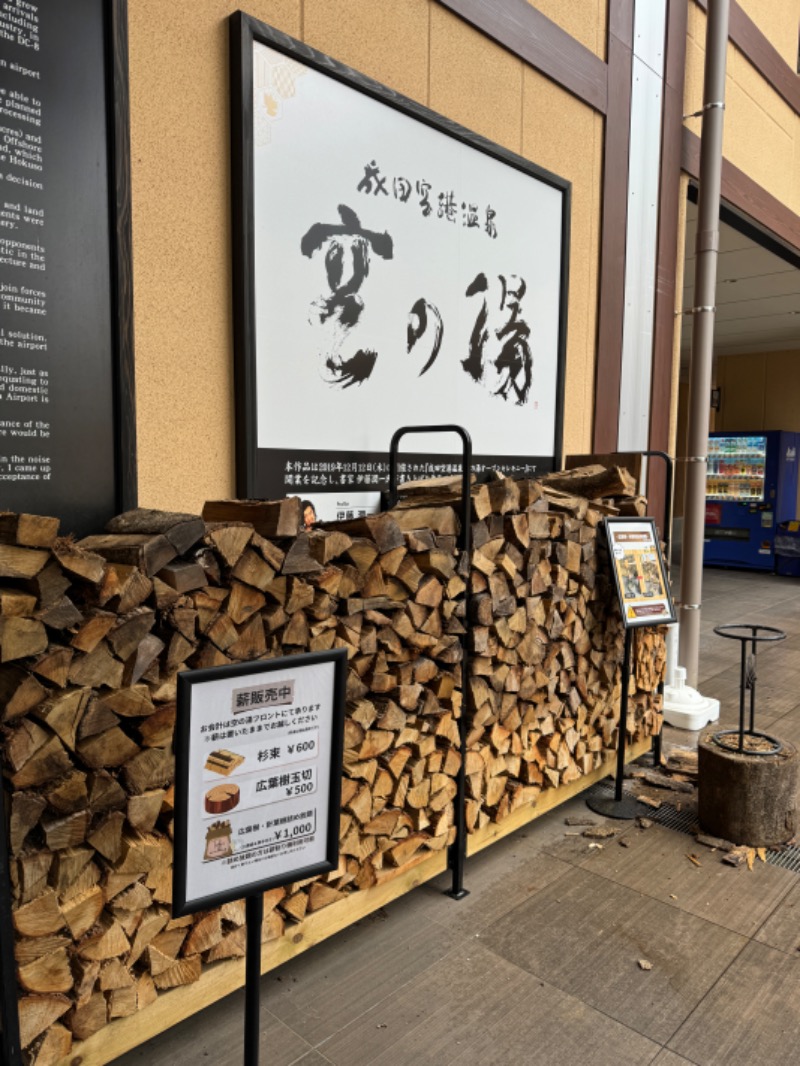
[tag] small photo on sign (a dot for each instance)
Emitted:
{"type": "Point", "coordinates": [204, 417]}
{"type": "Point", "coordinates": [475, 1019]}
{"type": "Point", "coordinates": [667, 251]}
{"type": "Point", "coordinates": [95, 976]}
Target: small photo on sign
{"type": "Point", "coordinates": [223, 762]}
{"type": "Point", "coordinates": [222, 798]}
{"type": "Point", "coordinates": [218, 841]}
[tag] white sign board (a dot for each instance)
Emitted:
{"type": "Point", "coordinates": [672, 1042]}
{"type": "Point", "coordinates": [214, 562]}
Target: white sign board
{"type": "Point", "coordinates": [259, 757]}
{"type": "Point", "coordinates": [401, 271]}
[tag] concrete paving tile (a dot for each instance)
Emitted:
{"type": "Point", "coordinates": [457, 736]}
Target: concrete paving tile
{"type": "Point", "coordinates": [655, 864]}
{"type": "Point", "coordinates": [216, 1034]}
{"type": "Point", "coordinates": [586, 935]}
{"type": "Point", "coordinates": [495, 887]}
{"type": "Point", "coordinates": [476, 1007]}
{"type": "Point", "coordinates": [449, 1001]}
{"type": "Point", "coordinates": [669, 1058]}
{"type": "Point", "coordinates": [321, 991]}
{"type": "Point", "coordinates": [787, 727]}
{"type": "Point", "coordinates": [782, 929]}
{"type": "Point", "coordinates": [577, 850]}
{"type": "Point", "coordinates": [559, 1031]}
{"type": "Point", "coordinates": [749, 1016]}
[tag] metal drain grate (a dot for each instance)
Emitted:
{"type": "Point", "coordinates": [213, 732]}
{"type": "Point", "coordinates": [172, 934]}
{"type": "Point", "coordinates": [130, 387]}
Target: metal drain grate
{"type": "Point", "coordinates": [787, 858]}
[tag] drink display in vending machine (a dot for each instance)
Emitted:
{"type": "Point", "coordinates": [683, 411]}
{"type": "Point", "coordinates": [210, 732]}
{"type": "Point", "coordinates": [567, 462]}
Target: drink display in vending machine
{"type": "Point", "coordinates": [751, 486]}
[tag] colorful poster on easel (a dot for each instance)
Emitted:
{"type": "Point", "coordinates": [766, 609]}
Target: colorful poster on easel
{"type": "Point", "coordinates": [639, 573]}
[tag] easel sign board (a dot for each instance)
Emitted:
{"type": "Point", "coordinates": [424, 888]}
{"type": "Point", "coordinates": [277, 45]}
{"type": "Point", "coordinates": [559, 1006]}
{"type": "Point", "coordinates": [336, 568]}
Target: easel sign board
{"type": "Point", "coordinates": [639, 572]}
{"type": "Point", "coordinates": [259, 751]}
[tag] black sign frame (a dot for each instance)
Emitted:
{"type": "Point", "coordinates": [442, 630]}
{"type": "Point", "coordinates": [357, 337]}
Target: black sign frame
{"type": "Point", "coordinates": [256, 474]}
{"type": "Point", "coordinates": [182, 906]}
{"type": "Point", "coordinates": [611, 521]}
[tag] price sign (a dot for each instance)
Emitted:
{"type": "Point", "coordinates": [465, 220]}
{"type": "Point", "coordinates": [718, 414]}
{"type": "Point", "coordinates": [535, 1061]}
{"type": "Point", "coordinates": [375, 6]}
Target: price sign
{"type": "Point", "coordinates": [258, 776]}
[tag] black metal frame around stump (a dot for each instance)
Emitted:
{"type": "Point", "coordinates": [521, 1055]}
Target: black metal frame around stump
{"type": "Point", "coordinates": [734, 631]}
{"type": "Point", "coordinates": [458, 850]}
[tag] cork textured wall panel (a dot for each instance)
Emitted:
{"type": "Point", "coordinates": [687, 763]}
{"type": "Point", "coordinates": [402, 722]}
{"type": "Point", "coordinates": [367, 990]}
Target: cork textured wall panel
{"type": "Point", "coordinates": [586, 21]}
{"type": "Point", "coordinates": [474, 81]}
{"type": "Point", "coordinates": [180, 132]}
{"type": "Point", "coordinates": [760, 390]}
{"type": "Point", "coordinates": [388, 42]}
{"type": "Point", "coordinates": [742, 379]}
{"type": "Point", "coordinates": [566, 136]}
{"type": "Point", "coordinates": [180, 163]}
{"type": "Point", "coordinates": [761, 132]}
{"type": "Point", "coordinates": [782, 391]}
{"type": "Point", "coordinates": [779, 21]}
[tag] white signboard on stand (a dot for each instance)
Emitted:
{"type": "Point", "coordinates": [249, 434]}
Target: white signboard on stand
{"type": "Point", "coordinates": [258, 776]}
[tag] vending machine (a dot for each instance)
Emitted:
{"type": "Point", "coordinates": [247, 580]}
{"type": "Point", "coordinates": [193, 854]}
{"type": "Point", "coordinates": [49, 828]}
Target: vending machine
{"type": "Point", "coordinates": [751, 486]}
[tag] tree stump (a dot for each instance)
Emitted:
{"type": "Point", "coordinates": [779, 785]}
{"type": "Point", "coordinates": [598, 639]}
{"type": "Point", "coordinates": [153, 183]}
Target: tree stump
{"type": "Point", "coordinates": [747, 799]}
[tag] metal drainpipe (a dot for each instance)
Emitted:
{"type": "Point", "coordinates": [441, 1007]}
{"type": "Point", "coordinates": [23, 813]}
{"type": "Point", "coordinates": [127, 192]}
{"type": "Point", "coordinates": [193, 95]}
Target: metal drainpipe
{"type": "Point", "coordinates": [703, 311]}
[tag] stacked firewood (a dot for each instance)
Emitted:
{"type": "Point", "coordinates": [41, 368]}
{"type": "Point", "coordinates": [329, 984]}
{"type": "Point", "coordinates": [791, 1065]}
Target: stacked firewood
{"type": "Point", "coordinates": [93, 637]}
{"type": "Point", "coordinates": [94, 633]}
{"type": "Point", "coordinates": [546, 639]}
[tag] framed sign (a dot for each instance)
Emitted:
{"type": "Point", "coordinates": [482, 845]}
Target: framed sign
{"type": "Point", "coordinates": [639, 573]}
{"type": "Point", "coordinates": [258, 777]}
{"type": "Point", "coordinates": [391, 268]}
{"type": "Point", "coordinates": [67, 425]}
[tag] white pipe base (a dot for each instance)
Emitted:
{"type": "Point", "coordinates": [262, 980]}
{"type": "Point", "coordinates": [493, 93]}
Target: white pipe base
{"type": "Point", "coordinates": [684, 707]}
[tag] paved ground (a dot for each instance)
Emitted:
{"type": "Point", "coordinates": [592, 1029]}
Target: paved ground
{"type": "Point", "coordinates": [540, 964]}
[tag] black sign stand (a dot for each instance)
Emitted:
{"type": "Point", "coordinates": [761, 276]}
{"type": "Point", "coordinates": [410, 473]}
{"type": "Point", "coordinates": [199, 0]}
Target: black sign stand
{"type": "Point", "coordinates": [621, 806]}
{"type": "Point", "coordinates": [253, 892]}
{"type": "Point", "coordinates": [626, 806]}
{"type": "Point", "coordinates": [458, 851]}
{"type": "Point", "coordinates": [669, 462]}
{"type": "Point", "coordinates": [254, 918]}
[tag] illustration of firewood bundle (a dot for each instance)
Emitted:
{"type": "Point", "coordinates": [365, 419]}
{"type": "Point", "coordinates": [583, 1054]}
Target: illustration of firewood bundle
{"type": "Point", "coordinates": [93, 635]}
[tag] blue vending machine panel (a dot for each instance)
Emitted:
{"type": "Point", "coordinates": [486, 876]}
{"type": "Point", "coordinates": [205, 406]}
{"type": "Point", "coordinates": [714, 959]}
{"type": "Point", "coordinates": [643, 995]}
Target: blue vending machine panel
{"type": "Point", "coordinates": [751, 487]}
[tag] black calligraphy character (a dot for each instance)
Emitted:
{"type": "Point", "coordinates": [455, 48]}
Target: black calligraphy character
{"type": "Point", "coordinates": [490, 226]}
{"type": "Point", "coordinates": [499, 353]}
{"type": "Point", "coordinates": [372, 182]}
{"type": "Point", "coordinates": [424, 315]}
{"type": "Point", "coordinates": [447, 206]}
{"type": "Point", "coordinates": [470, 215]}
{"type": "Point", "coordinates": [347, 261]}
{"type": "Point", "coordinates": [402, 189]}
{"type": "Point", "coordinates": [423, 190]}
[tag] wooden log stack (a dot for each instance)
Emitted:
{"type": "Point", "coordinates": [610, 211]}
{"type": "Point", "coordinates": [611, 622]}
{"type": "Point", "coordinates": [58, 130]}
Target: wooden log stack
{"type": "Point", "coordinates": [94, 633]}
{"type": "Point", "coordinates": [546, 640]}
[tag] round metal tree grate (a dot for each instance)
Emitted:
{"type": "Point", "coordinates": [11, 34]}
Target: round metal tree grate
{"type": "Point", "coordinates": [749, 743]}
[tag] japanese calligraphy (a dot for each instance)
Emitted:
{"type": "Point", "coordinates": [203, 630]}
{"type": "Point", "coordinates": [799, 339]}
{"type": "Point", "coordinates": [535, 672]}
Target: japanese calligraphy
{"type": "Point", "coordinates": [373, 184]}
{"type": "Point", "coordinates": [348, 248]}
{"type": "Point", "coordinates": [499, 353]}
